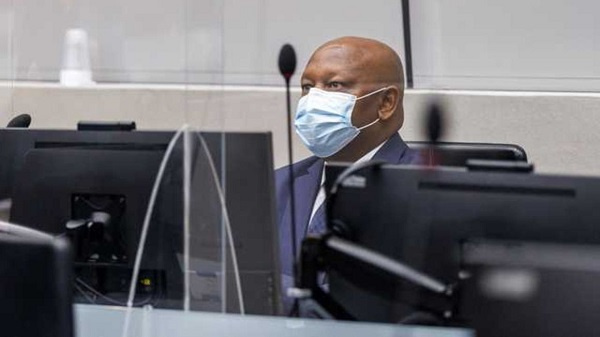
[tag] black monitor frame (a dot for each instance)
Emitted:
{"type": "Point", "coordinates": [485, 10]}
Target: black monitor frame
{"type": "Point", "coordinates": [35, 297]}
{"type": "Point", "coordinates": [15, 143]}
{"type": "Point", "coordinates": [237, 155]}
{"type": "Point", "coordinates": [459, 153]}
{"type": "Point", "coordinates": [423, 217]}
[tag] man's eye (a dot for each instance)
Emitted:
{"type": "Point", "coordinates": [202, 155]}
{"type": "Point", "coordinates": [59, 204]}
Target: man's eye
{"type": "Point", "coordinates": [306, 87]}
{"type": "Point", "coordinates": [334, 85]}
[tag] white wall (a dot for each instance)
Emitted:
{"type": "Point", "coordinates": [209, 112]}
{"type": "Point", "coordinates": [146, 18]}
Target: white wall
{"type": "Point", "coordinates": [184, 41]}
{"type": "Point", "coordinates": [508, 44]}
{"type": "Point", "coordinates": [559, 131]}
{"type": "Point", "coordinates": [459, 44]}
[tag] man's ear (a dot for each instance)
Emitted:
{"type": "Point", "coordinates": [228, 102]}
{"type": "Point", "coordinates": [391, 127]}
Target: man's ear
{"type": "Point", "coordinates": [389, 102]}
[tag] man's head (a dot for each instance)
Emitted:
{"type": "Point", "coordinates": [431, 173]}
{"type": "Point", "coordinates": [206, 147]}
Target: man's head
{"type": "Point", "coordinates": [360, 66]}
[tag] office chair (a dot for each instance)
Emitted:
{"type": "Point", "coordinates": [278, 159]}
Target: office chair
{"type": "Point", "coordinates": [457, 154]}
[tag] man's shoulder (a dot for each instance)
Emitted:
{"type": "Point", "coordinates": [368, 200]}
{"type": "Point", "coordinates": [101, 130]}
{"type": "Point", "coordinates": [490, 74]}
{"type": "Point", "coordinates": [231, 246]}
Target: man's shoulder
{"type": "Point", "coordinates": [396, 151]}
{"type": "Point", "coordinates": [297, 167]}
{"type": "Point", "coordinates": [411, 157]}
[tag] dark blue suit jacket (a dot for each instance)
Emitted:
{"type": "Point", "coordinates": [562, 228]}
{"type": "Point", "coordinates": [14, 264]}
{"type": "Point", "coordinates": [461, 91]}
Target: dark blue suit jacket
{"type": "Point", "coordinates": [307, 180]}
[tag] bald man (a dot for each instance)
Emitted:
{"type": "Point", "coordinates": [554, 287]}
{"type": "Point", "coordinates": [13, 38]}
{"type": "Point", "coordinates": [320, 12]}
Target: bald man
{"type": "Point", "coordinates": [350, 111]}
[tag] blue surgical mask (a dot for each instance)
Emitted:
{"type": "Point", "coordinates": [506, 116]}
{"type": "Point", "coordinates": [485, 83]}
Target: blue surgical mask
{"type": "Point", "coordinates": [324, 120]}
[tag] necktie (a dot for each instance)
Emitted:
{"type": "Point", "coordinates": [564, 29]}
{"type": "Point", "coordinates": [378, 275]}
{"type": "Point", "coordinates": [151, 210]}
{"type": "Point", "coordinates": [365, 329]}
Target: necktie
{"type": "Point", "coordinates": [318, 226]}
{"type": "Point", "coordinates": [318, 223]}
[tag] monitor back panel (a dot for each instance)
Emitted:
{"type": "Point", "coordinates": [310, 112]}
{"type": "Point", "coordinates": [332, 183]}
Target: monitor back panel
{"type": "Point", "coordinates": [422, 216]}
{"type": "Point", "coordinates": [45, 162]}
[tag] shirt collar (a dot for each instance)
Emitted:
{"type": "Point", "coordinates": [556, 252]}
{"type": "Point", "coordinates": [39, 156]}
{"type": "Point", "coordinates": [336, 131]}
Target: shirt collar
{"type": "Point", "coordinates": [364, 158]}
{"type": "Point", "coordinates": [370, 155]}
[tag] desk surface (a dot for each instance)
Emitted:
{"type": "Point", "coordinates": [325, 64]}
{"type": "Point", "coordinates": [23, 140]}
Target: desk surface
{"type": "Point", "coordinates": [106, 321]}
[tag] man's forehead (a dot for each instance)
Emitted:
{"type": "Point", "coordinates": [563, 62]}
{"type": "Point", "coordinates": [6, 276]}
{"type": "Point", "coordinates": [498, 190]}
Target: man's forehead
{"type": "Point", "coordinates": [337, 57]}
{"type": "Point", "coordinates": [339, 52]}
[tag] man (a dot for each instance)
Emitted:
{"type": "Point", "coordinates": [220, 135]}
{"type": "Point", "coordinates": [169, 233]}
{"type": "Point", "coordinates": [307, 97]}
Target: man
{"type": "Point", "coordinates": [350, 110]}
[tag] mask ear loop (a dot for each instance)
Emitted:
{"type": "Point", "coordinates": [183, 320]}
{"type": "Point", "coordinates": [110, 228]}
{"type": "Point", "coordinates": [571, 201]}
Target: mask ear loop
{"type": "Point", "coordinates": [366, 126]}
{"type": "Point", "coordinates": [367, 95]}
{"type": "Point", "coordinates": [373, 93]}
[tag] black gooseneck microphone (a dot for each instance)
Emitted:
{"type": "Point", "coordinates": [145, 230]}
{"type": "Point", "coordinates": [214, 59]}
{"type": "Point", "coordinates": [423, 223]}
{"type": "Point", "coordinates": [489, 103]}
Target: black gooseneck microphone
{"type": "Point", "coordinates": [435, 122]}
{"type": "Point", "coordinates": [434, 129]}
{"type": "Point", "coordinates": [287, 66]}
{"type": "Point", "coordinates": [21, 121]}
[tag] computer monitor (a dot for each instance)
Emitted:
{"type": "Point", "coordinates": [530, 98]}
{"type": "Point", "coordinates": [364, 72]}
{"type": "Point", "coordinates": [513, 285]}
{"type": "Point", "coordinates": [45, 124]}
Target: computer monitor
{"type": "Point", "coordinates": [35, 287]}
{"type": "Point", "coordinates": [459, 153]}
{"type": "Point", "coordinates": [15, 143]}
{"type": "Point", "coordinates": [70, 175]}
{"type": "Point", "coordinates": [514, 246]}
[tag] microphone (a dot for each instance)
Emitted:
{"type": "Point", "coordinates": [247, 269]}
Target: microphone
{"type": "Point", "coordinates": [435, 122]}
{"type": "Point", "coordinates": [287, 62]}
{"type": "Point", "coordinates": [434, 125]}
{"type": "Point", "coordinates": [21, 121]}
{"type": "Point", "coordinates": [287, 66]}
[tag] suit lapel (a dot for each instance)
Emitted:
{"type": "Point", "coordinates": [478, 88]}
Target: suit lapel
{"type": "Point", "coordinates": [306, 188]}
{"type": "Point", "coordinates": [392, 151]}
{"type": "Point", "coordinates": [307, 180]}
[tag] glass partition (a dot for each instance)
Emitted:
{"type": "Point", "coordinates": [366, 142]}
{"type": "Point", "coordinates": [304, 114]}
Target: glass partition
{"type": "Point", "coordinates": [209, 69]}
{"type": "Point", "coordinates": [512, 45]}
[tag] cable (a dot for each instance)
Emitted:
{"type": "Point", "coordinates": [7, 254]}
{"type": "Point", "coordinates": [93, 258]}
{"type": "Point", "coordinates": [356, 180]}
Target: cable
{"type": "Point", "coordinates": [385, 263]}
{"type": "Point", "coordinates": [110, 299]}
{"type": "Point", "coordinates": [146, 224]}
{"type": "Point", "coordinates": [84, 294]}
{"type": "Point", "coordinates": [92, 205]}
{"type": "Point", "coordinates": [18, 230]}
{"type": "Point", "coordinates": [187, 181]}
{"type": "Point", "coordinates": [236, 271]}
{"type": "Point", "coordinates": [148, 216]}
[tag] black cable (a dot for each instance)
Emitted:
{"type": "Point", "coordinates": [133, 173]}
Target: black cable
{"type": "Point", "coordinates": [291, 173]}
{"type": "Point", "coordinates": [287, 66]}
{"type": "Point", "coordinates": [295, 309]}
